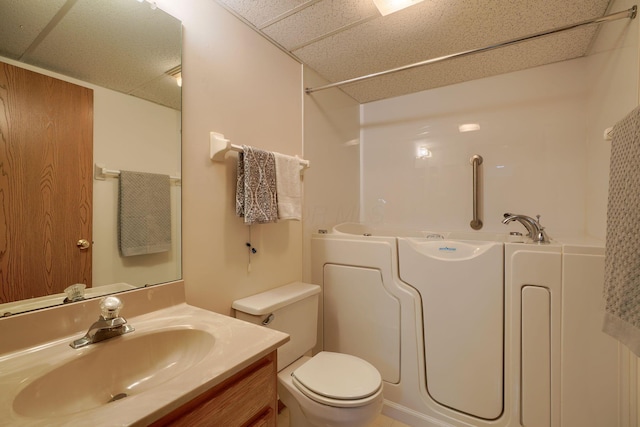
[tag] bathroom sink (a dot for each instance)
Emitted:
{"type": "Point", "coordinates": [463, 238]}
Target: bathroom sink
{"type": "Point", "coordinates": [112, 370]}
{"type": "Point", "coordinates": [176, 353]}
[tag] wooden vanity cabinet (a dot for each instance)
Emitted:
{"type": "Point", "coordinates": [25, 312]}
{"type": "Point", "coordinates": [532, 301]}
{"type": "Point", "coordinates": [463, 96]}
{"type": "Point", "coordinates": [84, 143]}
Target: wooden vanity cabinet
{"type": "Point", "coordinates": [247, 399]}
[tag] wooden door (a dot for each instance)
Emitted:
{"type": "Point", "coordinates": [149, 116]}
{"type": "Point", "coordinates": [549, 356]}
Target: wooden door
{"type": "Point", "coordinates": [46, 188]}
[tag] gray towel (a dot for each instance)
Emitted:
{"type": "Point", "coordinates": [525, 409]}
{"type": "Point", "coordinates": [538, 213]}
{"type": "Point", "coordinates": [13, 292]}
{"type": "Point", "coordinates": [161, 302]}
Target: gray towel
{"type": "Point", "coordinates": [144, 213]}
{"type": "Point", "coordinates": [622, 253]}
{"type": "Point", "coordinates": [256, 186]}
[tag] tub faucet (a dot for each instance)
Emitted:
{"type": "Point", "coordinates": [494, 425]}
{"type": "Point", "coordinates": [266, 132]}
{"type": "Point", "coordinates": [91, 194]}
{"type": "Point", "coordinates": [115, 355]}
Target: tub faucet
{"type": "Point", "coordinates": [534, 230]}
{"type": "Point", "coordinates": [110, 324]}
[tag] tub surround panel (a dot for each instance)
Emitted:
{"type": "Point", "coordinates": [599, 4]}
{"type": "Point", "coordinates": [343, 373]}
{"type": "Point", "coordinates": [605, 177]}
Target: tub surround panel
{"type": "Point", "coordinates": [588, 354]}
{"type": "Point", "coordinates": [540, 136]}
{"type": "Point", "coordinates": [531, 138]}
{"type": "Point", "coordinates": [527, 268]}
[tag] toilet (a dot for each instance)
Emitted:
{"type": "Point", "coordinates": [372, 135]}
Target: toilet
{"type": "Point", "coordinates": [326, 390]}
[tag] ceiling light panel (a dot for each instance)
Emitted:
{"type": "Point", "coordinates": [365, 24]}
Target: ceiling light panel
{"type": "Point", "coordinates": [387, 7]}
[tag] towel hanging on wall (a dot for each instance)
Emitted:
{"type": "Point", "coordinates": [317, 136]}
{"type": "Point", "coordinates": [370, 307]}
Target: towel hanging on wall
{"type": "Point", "coordinates": [256, 186]}
{"type": "Point", "coordinates": [288, 187]}
{"type": "Point", "coordinates": [144, 214]}
{"type": "Point", "coordinates": [622, 252]}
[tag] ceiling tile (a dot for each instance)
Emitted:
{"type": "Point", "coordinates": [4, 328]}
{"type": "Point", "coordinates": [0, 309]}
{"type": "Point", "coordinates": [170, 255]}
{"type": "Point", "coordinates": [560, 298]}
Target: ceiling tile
{"type": "Point", "coordinates": [260, 11]}
{"type": "Point", "coordinates": [125, 37]}
{"type": "Point", "coordinates": [319, 20]}
{"type": "Point", "coordinates": [343, 39]}
{"type": "Point", "coordinates": [21, 21]}
{"type": "Point", "coordinates": [530, 54]}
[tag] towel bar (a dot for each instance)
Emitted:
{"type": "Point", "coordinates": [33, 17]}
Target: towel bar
{"type": "Point", "coordinates": [219, 146]}
{"type": "Point", "coordinates": [101, 173]}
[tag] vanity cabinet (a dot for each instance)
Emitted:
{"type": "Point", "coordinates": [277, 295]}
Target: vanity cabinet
{"type": "Point", "coordinates": [247, 399]}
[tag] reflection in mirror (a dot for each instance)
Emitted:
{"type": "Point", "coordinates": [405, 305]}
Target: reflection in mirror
{"type": "Point", "coordinates": [128, 54]}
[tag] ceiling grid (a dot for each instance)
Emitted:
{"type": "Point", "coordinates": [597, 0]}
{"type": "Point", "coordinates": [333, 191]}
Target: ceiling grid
{"type": "Point", "coordinates": [343, 39]}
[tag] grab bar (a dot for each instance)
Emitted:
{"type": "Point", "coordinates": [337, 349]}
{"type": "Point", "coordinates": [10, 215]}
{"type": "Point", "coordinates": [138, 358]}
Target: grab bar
{"type": "Point", "coordinates": [475, 160]}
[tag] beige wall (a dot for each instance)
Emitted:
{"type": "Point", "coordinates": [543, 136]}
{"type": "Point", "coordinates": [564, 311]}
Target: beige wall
{"type": "Point", "coordinates": [332, 144]}
{"type": "Point", "coordinates": [146, 139]}
{"type": "Point", "coordinates": [332, 184]}
{"type": "Point", "coordinates": [238, 84]}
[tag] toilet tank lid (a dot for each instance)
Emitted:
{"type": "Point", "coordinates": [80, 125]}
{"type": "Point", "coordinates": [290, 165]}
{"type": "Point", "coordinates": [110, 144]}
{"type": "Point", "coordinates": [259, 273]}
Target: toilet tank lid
{"type": "Point", "coordinates": [271, 300]}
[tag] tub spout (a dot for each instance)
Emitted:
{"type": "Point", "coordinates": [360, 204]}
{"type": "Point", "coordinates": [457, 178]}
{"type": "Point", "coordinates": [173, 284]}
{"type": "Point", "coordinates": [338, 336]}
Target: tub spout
{"type": "Point", "coordinates": [534, 230]}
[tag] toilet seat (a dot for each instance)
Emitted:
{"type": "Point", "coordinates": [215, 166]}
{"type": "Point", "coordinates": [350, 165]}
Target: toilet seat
{"type": "Point", "coordinates": [337, 379]}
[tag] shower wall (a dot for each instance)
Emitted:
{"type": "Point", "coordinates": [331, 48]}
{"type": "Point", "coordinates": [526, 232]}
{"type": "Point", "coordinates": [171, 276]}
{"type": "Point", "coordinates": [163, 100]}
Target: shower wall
{"type": "Point", "coordinates": [531, 137]}
{"type": "Point", "coordinates": [540, 134]}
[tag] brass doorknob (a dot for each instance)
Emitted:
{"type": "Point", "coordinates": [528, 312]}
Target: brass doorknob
{"type": "Point", "coordinates": [83, 244]}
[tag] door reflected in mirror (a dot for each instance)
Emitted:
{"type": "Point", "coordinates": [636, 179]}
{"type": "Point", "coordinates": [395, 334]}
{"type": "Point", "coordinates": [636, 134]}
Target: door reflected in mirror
{"type": "Point", "coordinates": [114, 49]}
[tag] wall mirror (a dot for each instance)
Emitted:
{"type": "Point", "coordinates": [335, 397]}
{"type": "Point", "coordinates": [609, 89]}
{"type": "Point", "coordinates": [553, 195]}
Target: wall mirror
{"type": "Point", "coordinates": [128, 53]}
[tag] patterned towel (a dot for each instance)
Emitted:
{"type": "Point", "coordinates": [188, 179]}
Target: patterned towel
{"type": "Point", "coordinates": [622, 253]}
{"type": "Point", "coordinates": [256, 186]}
{"type": "Point", "coordinates": [144, 214]}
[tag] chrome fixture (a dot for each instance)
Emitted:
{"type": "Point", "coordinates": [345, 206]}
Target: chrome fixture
{"type": "Point", "coordinates": [110, 324]}
{"type": "Point", "coordinates": [476, 161]}
{"type": "Point", "coordinates": [74, 293]}
{"type": "Point", "coordinates": [629, 13]}
{"type": "Point", "coordinates": [534, 230]}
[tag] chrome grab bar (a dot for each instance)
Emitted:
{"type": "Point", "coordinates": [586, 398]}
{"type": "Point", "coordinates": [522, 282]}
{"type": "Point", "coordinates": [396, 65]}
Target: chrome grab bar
{"type": "Point", "coordinates": [476, 160]}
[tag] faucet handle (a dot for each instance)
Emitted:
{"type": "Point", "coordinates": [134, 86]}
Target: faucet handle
{"type": "Point", "coordinates": [110, 307]}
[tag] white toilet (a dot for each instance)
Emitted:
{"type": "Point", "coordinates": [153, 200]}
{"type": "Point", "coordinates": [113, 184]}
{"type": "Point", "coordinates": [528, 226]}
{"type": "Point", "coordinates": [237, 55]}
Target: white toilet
{"type": "Point", "coordinates": [326, 390]}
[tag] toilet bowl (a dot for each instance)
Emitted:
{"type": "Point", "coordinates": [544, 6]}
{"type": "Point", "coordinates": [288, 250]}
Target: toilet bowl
{"type": "Point", "coordinates": [331, 389]}
{"type": "Point", "coordinates": [326, 390]}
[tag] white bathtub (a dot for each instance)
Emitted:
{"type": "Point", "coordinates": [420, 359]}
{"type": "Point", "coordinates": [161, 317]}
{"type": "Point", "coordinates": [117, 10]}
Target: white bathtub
{"type": "Point", "coordinates": [410, 327]}
{"type": "Point", "coordinates": [359, 229]}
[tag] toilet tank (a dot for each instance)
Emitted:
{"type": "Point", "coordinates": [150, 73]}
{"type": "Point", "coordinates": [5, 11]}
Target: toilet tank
{"type": "Point", "coordinates": [292, 309]}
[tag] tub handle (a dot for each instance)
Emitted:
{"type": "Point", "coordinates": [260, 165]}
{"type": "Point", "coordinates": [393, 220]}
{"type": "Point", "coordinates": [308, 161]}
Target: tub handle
{"type": "Point", "coordinates": [476, 161]}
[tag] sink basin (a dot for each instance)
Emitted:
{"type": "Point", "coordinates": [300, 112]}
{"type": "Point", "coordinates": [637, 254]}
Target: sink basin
{"type": "Point", "coordinates": [176, 353]}
{"type": "Point", "coordinates": [112, 370]}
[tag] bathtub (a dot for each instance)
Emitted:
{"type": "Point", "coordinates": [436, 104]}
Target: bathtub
{"type": "Point", "coordinates": [466, 327]}
{"type": "Point", "coordinates": [359, 229]}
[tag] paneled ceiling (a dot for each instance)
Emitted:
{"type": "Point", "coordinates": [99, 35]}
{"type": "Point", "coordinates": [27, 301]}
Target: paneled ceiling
{"type": "Point", "coordinates": [122, 45]}
{"type": "Point", "coordinates": [343, 39]}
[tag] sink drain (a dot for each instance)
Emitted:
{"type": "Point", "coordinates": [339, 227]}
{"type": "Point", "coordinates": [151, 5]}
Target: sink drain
{"type": "Point", "coordinates": [117, 397]}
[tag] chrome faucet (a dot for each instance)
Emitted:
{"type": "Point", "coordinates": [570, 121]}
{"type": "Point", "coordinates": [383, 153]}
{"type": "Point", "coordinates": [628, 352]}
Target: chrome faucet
{"type": "Point", "coordinates": [534, 230]}
{"type": "Point", "coordinates": [110, 324]}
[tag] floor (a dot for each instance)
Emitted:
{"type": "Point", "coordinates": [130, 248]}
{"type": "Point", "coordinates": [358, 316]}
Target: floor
{"type": "Point", "coordinates": [381, 421]}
